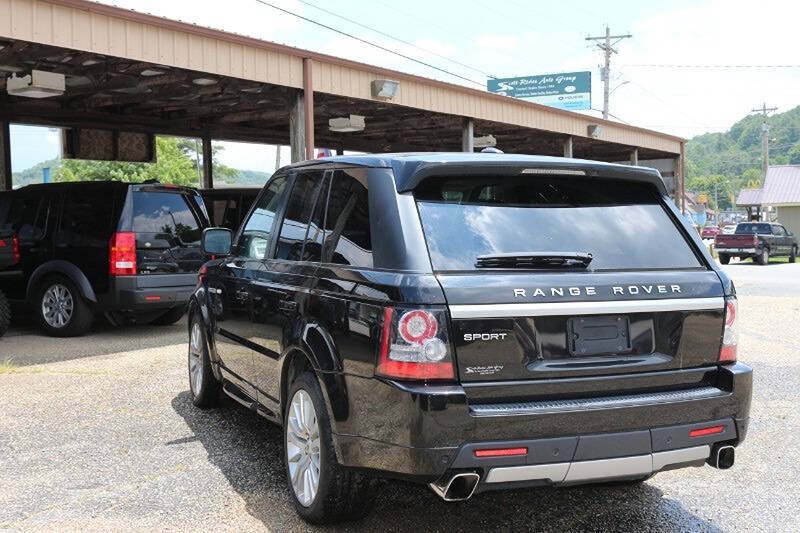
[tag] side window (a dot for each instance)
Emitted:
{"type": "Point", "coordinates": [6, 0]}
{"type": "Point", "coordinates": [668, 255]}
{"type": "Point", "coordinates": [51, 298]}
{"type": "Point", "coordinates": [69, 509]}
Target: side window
{"type": "Point", "coordinates": [298, 212]}
{"type": "Point", "coordinates": [254, 240]}
{"type": "Point", "coordinates": [26, 215]}
{"type": "Point", "coordinates": [166, 214]}
{"type": "Point", "coordinates": [86, 218]}
{"type": "Point", "coordinates": [315, 238]}
{"type": "Point", "coordinates": [778, 230]}
{"type": "Point", "coordinates": [347, 234]}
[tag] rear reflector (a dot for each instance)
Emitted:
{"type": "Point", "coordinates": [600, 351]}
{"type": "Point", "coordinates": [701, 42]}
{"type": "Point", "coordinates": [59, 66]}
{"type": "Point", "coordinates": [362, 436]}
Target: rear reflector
{"type": "Point", "coordinates": [501, 452]}
{"type": "Point", "coordinates": [702, 432]}
{"type": "Point", "coordinates": [152, 298]}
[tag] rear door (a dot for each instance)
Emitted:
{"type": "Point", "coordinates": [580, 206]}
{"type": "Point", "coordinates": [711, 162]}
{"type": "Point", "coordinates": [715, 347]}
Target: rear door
{"type": "Point", "coordinates": [645, 302]}
{"type": "Point", "coordinates": [28, 215]}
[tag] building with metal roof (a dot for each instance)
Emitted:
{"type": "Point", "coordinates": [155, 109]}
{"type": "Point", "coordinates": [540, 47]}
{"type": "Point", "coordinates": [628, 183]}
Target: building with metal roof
{"type": "Point", "coordinates": [130, 72]}
{"type": "Point", "coordinates": [781, 190]}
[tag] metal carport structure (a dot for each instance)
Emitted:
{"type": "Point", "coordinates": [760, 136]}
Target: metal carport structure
{"type": "Point", "coordinates": [132, 71]}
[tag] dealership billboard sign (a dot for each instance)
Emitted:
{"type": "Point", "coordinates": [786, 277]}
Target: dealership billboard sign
{"type": "Point", "coordinates": [568, 90]}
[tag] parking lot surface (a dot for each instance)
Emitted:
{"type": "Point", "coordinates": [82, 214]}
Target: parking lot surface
{"type": "Point", "coordinates": [100, 433]}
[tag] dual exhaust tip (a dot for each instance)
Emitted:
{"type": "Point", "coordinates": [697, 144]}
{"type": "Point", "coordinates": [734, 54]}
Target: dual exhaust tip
{"type": "Point", "coordinates": [456, 488]}
{"type": "Point", "coordinates": [722, 457]}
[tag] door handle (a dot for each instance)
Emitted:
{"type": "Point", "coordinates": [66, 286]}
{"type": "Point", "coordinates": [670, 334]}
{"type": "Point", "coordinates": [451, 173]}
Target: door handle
{"type": "Point", "coordinates": [287, 305]}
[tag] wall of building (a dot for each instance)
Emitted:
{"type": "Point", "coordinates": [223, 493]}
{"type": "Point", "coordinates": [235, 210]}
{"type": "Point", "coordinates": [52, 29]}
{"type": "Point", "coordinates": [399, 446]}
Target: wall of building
{"type": "Point", "coordinates": [790, 218]}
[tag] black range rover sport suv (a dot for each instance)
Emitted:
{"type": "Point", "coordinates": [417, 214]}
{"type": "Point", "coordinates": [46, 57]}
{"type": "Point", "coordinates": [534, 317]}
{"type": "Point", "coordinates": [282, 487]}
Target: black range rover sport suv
{"type": "Point", "coordinates": [472, 322]}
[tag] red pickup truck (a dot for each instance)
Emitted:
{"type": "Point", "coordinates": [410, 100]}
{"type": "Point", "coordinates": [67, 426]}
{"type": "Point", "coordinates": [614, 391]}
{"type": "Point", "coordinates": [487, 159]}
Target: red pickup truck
{"type": "Point", "coordinates": [758, 240]}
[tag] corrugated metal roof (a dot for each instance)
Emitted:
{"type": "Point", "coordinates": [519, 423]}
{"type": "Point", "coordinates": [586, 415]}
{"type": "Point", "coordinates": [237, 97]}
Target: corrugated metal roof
{"type": "Point", "coordinates": [749, 197]}
{"type": "Point", "coordinates": [782, 186]}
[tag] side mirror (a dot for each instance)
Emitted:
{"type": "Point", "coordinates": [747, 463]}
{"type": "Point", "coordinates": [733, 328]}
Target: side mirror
{"type": "Point", "coordinates": [217, 241]}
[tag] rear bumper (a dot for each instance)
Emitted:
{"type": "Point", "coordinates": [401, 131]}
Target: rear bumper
{"type": "Point", "coordinates": [736, 251]}
{"type": "Point", "coordinates": [146, 293]}
{"type": "Point", "coordinates": [420, 432]}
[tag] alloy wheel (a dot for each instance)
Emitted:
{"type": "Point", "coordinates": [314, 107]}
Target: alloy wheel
{"type": "Point", "coordinates": [57, 306]}
{"type": "Point", "coordinates": [196, 359]}
{"type": "Point", "coordinates": [303, 447]}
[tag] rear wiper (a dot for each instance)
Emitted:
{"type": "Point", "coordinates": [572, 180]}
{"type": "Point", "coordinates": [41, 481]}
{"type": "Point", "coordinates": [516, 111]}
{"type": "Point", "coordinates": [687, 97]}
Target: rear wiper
{"type": "Point", "coordinates": [534, 260]}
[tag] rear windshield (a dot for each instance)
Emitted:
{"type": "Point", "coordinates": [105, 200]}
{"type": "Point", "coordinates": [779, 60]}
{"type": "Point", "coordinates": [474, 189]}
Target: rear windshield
{"type": "Point", "coordinates": [165, 213]}
{"type": "Point", "coordinates": [622, 224]}
{"type": "Point", "coordinates": [751, 229]}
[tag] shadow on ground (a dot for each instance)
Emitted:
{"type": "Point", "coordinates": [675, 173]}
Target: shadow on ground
{"type": "Point", "coordinates": [247, 450]}
{"type": "Point", "coordinates": [25, 344]}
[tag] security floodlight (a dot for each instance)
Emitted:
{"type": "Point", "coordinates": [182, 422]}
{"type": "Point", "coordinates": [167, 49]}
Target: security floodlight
{"type": "Point", "coordinates": [37, 84]}
{"type": "Point", "coordinates": [484, 141]}
{"type": "Point", "coordinates": [384, 89]}
{"type": "Point", "coordinates": [347, 124]}
{"type": "Point", "coordinates": [594, 130]}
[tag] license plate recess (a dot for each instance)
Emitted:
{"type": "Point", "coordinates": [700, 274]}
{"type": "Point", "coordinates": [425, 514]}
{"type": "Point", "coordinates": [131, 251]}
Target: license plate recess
{"type": "Point", "coordinates": [598, 335]}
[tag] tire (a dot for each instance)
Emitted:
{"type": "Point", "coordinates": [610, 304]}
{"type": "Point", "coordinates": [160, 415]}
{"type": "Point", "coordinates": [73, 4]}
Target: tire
{"type": "Point", "coordinates": [170, 317]}
{"type": "Point", "coordinates": [61, 309]}
{"type": "Point", "coordinates": [724, 259]}
{"type": "Point", "coordinates": [341, 494]}
{"type": "Point", "coordinates": [793, 254]}
{"type": "Point", "coordinates": [5, 314]}
{"type": "Point", "coordinates": [763, 257]}
{"type": "Point", "coordinates": [203, 386]}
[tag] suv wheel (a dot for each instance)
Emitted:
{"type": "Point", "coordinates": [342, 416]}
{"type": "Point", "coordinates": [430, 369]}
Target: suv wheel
{"type": "Point", "coordinates": [203, 386]}
{"type": "Point", "coordinates": [793, 254]}
{"type": "Point", "coordinates": [170, 317]}
{"type": "Point", "coordinates": [5, 314]}
{"type": "Point", "coordinates": [724, 259]}
{"type": "Point", "coordinates": [322, 491]}
{"type": "Point", "coordinates": [61, 309]}
{"type": "Point", "coordinates": [763, 257]}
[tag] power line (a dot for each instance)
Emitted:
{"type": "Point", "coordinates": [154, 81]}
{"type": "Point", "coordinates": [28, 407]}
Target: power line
{"type": "Point", "coordinates": [370, 43]}
{"type": "Point", "coordinates": [379, 32]}
{"type": "Point", "coordinates": [676, 66]}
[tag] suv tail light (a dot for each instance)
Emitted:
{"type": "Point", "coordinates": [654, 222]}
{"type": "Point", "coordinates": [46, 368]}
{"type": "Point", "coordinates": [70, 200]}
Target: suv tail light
{"type": "Point", "coordinates": [122, 254]}
{"type": "Point", "coordinates": [15, 257]}
{"type": "Point", "coordinates": [755, 240]}
{"type": "Point", "coordinates": [414, 345]}
{"type": "Point", "coordinates": [730, 334]}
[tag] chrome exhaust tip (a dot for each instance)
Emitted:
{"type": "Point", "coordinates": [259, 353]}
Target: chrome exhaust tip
{"type": "Point", "coordinates": [457, 488]}
{"type": "Point", "coordinates": [723, 457]}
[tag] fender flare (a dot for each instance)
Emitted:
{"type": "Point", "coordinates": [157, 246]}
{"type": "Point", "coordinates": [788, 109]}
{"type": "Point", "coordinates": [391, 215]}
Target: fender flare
{"type": "Point", "coordinates": [64, 268]}
{"type": "Point", "coordinates": [317, 347]}
{"type": "Point", "coordinates": [199, 302]}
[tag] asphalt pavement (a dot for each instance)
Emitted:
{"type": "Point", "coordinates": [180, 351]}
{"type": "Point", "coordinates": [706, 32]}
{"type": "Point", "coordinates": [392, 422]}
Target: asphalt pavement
{"type": "Point", "coordinates": [100, 433]}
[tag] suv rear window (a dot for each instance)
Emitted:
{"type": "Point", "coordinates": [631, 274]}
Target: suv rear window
{"type": "Point", "coordinates": [165, 212]}
{"type": "Point", "coordinates": [751, 229]}
{"type": "Point", "coordinates": [622, 224]}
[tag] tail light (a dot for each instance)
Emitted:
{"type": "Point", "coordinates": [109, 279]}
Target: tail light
{"type": "Point", "coordinates": [201, 275]}
{"type": "Point", "coordinates": [414, 345]}
{"type": "Point", "coordinates": [730, 334]}
{"type": "Point", "coordinates": [14, 248]}
{"type": "Point", "coordinates": [122, 255]}
{"type": "Point", "coordinates": [755, 240]}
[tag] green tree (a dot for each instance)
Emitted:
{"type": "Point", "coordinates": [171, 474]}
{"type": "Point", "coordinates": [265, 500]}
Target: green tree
{"type": "Point", "coordinates": [752, 178]}
{"type": "Point", "coordinates": [171, 166]}
{"type": "Point", "coordinates": [193, 149]}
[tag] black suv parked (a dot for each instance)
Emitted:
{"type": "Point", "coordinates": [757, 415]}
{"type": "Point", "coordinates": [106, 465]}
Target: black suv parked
{"type": "Point", "coordinates": [129, 251]}
{"type": "Point", "coordinates": [470, 321]}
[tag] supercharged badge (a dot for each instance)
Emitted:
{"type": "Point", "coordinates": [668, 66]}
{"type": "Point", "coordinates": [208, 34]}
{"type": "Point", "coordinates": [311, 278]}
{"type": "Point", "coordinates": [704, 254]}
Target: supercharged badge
{"type": "Point", "coordinates": [484, 370]}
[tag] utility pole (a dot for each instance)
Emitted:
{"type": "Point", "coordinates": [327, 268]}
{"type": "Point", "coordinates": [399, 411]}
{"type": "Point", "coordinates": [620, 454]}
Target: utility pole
{"type": "Point", "coordinates": [605, 44]}
{"type": "Point", "coordinates": [765, 111]}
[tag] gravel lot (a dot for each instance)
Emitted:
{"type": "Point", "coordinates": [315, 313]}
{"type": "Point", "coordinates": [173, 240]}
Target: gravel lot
{"type": "Point", "coordinates": [99, 433]}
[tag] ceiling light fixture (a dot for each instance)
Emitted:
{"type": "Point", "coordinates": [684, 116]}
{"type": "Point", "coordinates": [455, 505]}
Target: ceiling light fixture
{"type": "Point", "coordinates": [151, 72]}
{"type": "Point", "coordinates": [384, 89]}
{"type": "Point", "coordinates": [37, 84]}
{"type": "Point", "coordinates": [204, 82]}
{"type": "Point", "coordinates": [347, 124]}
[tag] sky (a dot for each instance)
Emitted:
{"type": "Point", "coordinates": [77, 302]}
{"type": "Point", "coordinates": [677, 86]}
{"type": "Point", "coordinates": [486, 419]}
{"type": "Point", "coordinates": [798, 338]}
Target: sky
{"type": "Point", "coordinates": [475, 39]}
